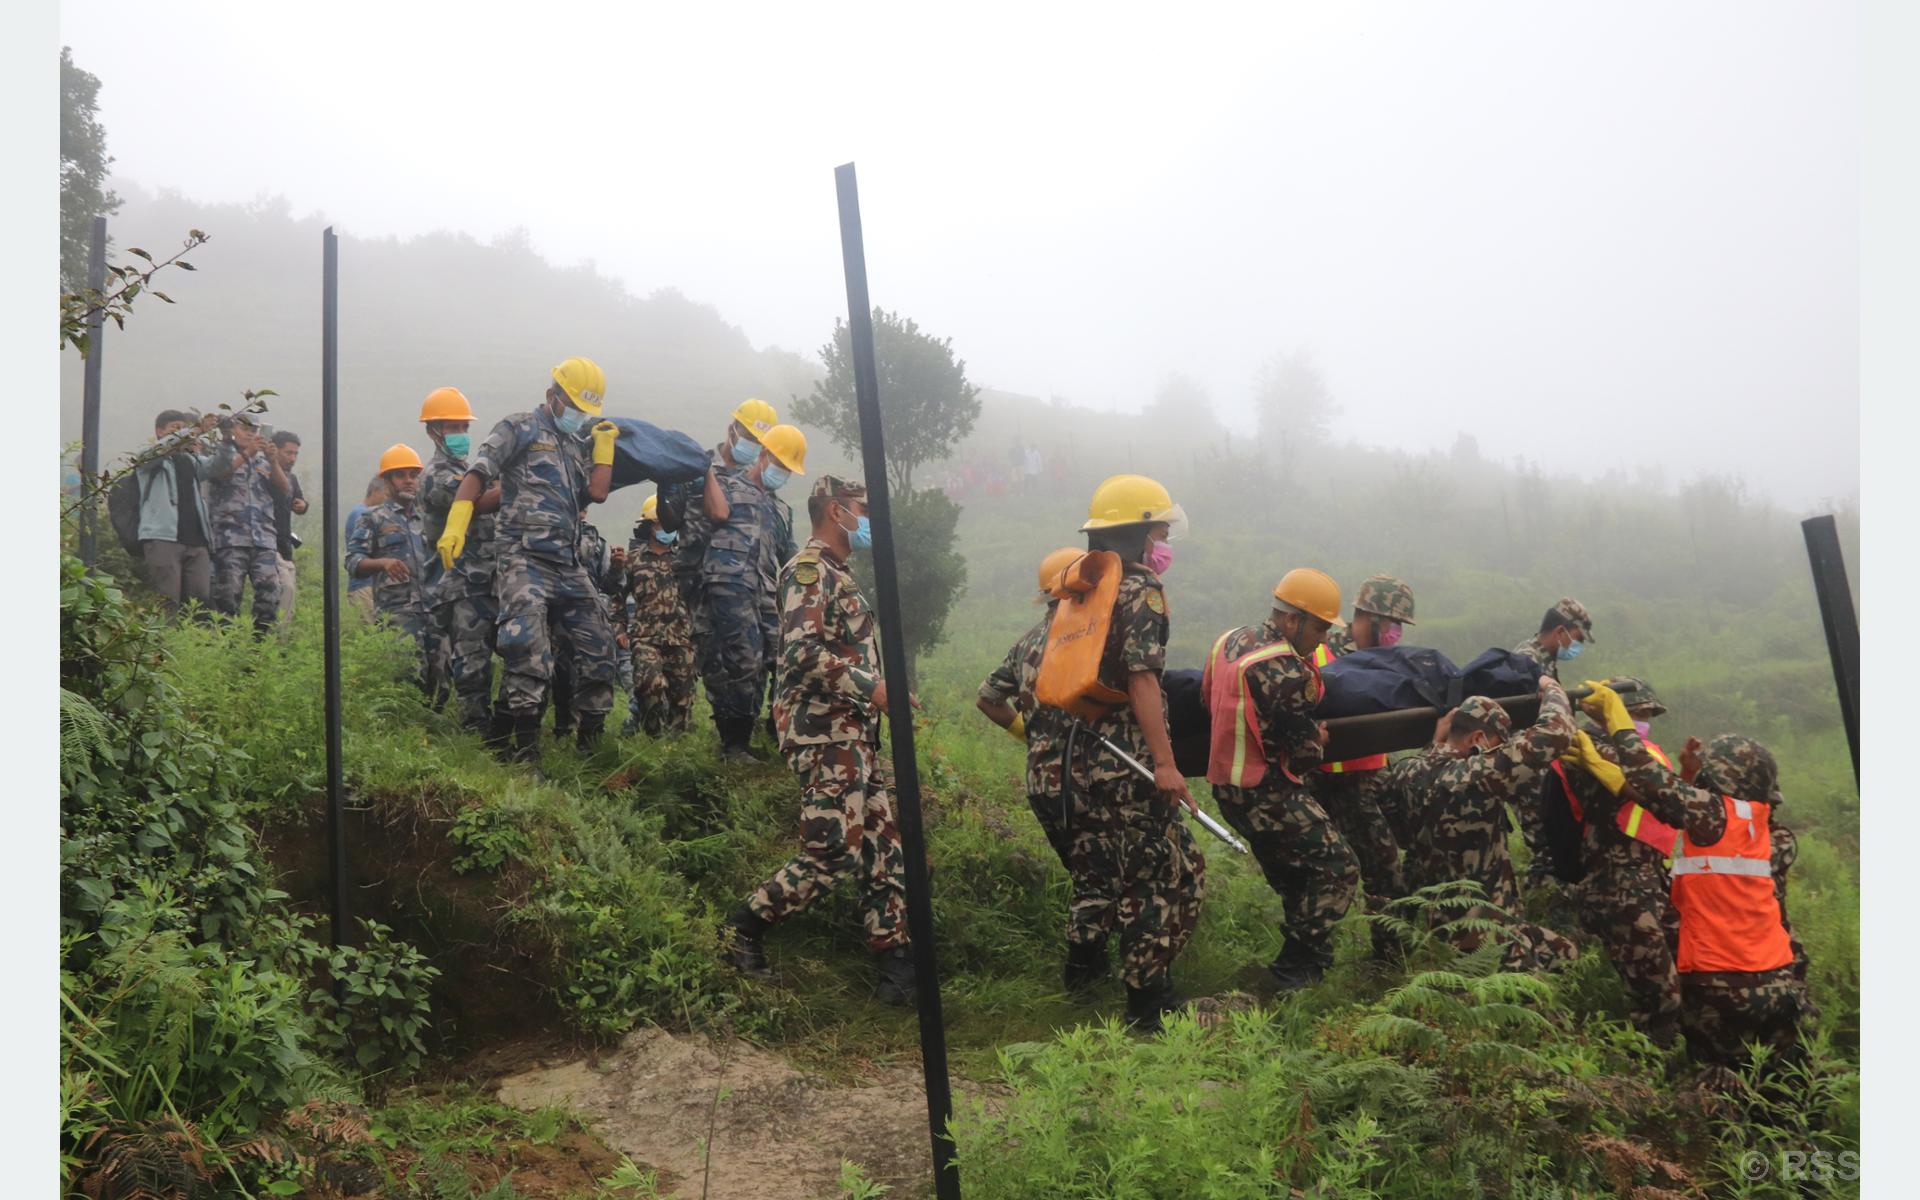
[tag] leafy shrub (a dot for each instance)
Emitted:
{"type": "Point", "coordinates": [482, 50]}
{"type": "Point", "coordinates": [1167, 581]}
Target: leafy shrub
{"type": "Point", "coordinates": [381, 1009]}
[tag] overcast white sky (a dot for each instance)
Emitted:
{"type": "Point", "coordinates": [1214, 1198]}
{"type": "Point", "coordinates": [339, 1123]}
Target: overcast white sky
{"type": "Point", "coordinates": [1590, 234]}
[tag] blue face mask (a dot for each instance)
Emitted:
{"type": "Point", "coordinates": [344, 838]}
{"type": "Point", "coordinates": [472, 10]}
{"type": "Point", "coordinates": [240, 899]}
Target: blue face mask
{"type": "Point", "coordinates": [665, 538]}
{"type": "Point", "coordinates": [860, 537]}
{"type": "Point", "coordinates": [572, 420]}
{"type": "Point", "coordinates": [1571, 652]}
{"type": "Point", "coordinates": [457, 444]}
{"type": "Point", "coordinates": [775, 476]}
{"type": "Point", "coordinates": [745, 453]}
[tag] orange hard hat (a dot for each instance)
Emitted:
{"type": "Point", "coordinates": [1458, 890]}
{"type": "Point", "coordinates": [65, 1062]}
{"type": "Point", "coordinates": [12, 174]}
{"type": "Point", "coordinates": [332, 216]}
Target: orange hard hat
{"type": "Point", "coordinates": [399, 457]}
{"type": "Point", "coordinates": [446, 404]}
{"type": "Point", "coordinates": [1053, 564]}
{"type": "Point", "coordinates": [1311, 592]}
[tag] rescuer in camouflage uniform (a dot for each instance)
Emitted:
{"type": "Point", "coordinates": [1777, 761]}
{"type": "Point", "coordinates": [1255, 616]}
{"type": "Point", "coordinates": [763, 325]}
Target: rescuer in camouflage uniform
{"type": "Point", "coordinates": [1720, 1011]}
{"type": "Point", "coordinates": [1624, 895]}
{"type": "Point", "coordinates": [1352, 794]}
{"type": "Point", "coordinates": [660, 633]}
{"type": "Point", "coordinates": [465, 614]}
{"type": "Point", "coordinates": [1564, 631]}
{"type": "Point", "coordinates": [388, 546]}
{"type": "Point", "coordinates": [605, 568]}
{"type": "Point", "coordinates": [549, 463]}
{"type": "Point", "coordinates": [1006, 697]}
{"type": "Point", "coordinates": [1139, 838]}
{"type": "Point", "coordinates": [241, 483]}
{"type": "Point", "coordinates": [738, 586]}
{"type": "Point", "coordinates": [1298, 846]}
{"type": "Point", "coordinates": [1453, 793]}
{"type": "Point", "coordinates": [828, 712]}
{"type": "Point", "coordinates": [687, 510]}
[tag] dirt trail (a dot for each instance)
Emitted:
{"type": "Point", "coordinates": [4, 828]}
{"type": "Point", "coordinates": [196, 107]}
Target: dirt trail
{"type": "Point", "coordinates": [778, 1134]}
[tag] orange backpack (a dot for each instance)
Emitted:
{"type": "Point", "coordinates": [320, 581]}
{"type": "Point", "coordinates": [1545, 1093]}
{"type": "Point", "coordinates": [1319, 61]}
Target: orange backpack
{"type": "Point", "coordinates": [1069, 677]}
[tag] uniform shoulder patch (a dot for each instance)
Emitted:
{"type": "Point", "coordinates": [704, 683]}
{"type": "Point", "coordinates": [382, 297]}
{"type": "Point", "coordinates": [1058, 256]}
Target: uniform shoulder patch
{"type": "Point", "coordinates": [1157, 601]}
{"type": "Point", "coordinates": [806, 573]}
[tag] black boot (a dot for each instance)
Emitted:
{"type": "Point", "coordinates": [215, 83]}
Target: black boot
{"type": "Point", "coordinates": [1299, 965]}
{"type": "Point", "coordinates": [591, 726]}
{"type": "Point", "coordinates": [735, 735]}
{"type": "Point", "coordinates": [1146, 1005]}
{"type": "Point", "coordinates": [499, 732]}
{"type": "Point", "coordinates": [897, 980]}
{"type": "Point", "coordinates": [740, 936]}
{"type": "Point", "coordinates": [1087, 965]}
{"type": "Point", "coordinates": [526, 737]}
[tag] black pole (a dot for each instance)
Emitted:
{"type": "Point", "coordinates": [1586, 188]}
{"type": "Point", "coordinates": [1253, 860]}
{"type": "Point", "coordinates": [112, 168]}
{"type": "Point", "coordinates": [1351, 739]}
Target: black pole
{"type": "Point", "coordinates": [330, 570]}
{"type": "Point", "coordinates": [893, 656]}
{"type": "Point", "coordinates": [1843, 628]}
{"type": "Point", "coordinates": [90, 394]}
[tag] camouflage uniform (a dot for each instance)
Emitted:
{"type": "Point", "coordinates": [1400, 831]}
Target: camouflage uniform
{"type": "Point", "coordinates": [1297, 845]}
{"type": "Point", "coordinates": [659, 637]}
{"type": "Point", "coordinates": [738, 597]}
{"type": "Point", "coordinates": [690, 550]}
{"type": "Point", "coordinates": [1532, 820]}
{"type": "Point", "coordinates": [245, 536]}
{"type": "Point", "coordinates": [1073, 833]}
{"type": "Point", "coordinates": [392, 530]}
{"type": "Point", "coordinates": [1576, 614]}
{"type": "Point", "coordinates": [1458, 826]}
{"type": "Point", "coordinates": [1135, 837]}
{"type": "Point", "coordinates": [538, 578]}
{"type": "Point", "coordinates": [830, 734]}
{"type": "Point", "coordinates": [465, 614]}
{"type": "Point", "coordinates": [597, 559]}
{"type": "Point", "coordinates": [1722, 1010]}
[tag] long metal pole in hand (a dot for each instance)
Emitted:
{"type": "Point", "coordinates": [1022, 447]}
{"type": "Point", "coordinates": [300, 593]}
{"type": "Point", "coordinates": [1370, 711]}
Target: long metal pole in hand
{"type": "Point", "coordinates": [330, 569]}
{"type": "Point", "coordinates": [893, 656]}
{"type": "Point", "coordinates": [90, 393]}
{"type": "Point", "coordinates": [1843, 627]}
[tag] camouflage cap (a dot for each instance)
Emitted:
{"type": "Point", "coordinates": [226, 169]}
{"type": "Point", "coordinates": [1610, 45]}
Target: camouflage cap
{"type": "Point", "coordinates": [1739, 767]}
{"type": "Point", "coordinates": [1575, 613]}
{"type": "Point", "coordinates": [1385, 596]}
{"type": "Point", "coordinates": [1482, 715]}
{"type": "Point", "coordinates": [1637, 694]}
{"type": "Point", "coordinates": [835, 488]}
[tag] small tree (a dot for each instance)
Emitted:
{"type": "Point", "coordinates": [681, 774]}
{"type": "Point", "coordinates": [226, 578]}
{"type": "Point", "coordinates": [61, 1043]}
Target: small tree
{"type": "Point", "coordinates": [1294, 405]}
{"type": "Point", "coordinates": [83, 170]}
{"type": "Point", "coordinates": [928, 405]}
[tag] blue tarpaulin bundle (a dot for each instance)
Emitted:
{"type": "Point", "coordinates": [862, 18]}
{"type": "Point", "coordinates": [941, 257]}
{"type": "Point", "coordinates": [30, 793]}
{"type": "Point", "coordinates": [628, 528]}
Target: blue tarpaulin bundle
{"type": "Point", "coordinates": [645, 452]}
{"type": "Point", "coordinates": [1387, 678]}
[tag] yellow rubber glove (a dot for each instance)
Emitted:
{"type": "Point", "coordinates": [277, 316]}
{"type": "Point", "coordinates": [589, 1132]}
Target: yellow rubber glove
{"type": "Point", "coordinates": [1605, 705]}
{"type": "Point", "coordinates": [454, 539]}
{"type": "Point", "coordinates": [605, 434]}
{"type": "Point", "coordinates": [1018, 729]}
{"type": "Point", "coordinates": [1583, 755]}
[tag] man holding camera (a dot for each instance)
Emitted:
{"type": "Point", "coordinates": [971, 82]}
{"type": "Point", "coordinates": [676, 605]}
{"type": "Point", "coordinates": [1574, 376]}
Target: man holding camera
{"type": "Point", "coordinates": [243, 483]}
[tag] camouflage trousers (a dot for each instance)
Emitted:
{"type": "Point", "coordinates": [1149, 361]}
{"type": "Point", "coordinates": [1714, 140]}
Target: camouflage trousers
{"type": "Point", "coordinates": [1721, 1011]}
{"type": "Point", "coordinates": [1529, 947]}
{"type": "Point", "coordinates": [663, 678]}
{"type": "Point", "coordinates": [416, 625]}
{"type": "Point", "coordinates": [846, 830]}
{"type": "Point", "coordinates": [1301, 852]}
{"type": "Point", "coordinates": [1636, 927]}
{"type": "Point", "coordinates": [233, 567]}
{"type": "Point", "coordinates": [1352, 800]}
{"type": "Point", "coordinates": [1159, 876]}
{"type": "Point", "coordinates": [1084, 845]}
{"type": "Point", "coordinates": [738, 652]}
{"type": "Point", "coordinates": [534, 595]}
{"type": "Point", "coordinates": [467, 627]}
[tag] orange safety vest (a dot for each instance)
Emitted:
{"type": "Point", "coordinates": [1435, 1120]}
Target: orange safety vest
{"type": "Point", "coordinates": [1632, 820]}
{"type": "Point", "coordinates": [1729, 916]}
{"type": "Point", "coordinates": [1372, 762]}
{"type": "Point", "coordinates": [1236, 755]}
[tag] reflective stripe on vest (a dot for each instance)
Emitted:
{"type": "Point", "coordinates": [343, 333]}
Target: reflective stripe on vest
{"type": "Point", "coordinates": [1641, 825]}
{"type": "Point", "coordinates": [1372, 762]}
{"type": "Point", "coordinates": [1729, 915]}
{"type": "Point", "coordinates": [1237, 757]}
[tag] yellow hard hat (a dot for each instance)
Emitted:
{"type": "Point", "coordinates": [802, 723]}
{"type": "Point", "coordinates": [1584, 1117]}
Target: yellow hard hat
{"type": "Point", "coordinates": [1053, 564]}
{"type": "Point", "coordinates": [446, 404]}
{"type": "Point", "coordinates": [756, 416]}
{"type": "Point", "coordinates": [651, 509]}
{"type": "Point", "coordinates": [398, 457]}
{"type": "Point", "coordinates": [789, 446]}
{"type": "Point", "coordinates": [584, 383]}
{"type": "Point", "coordinates": [1134, 500]}
{"type": "Point", "coordinates": [1312, 592]}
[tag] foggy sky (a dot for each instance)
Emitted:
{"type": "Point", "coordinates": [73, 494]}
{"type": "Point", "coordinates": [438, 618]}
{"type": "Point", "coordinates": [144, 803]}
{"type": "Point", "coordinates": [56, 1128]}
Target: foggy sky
{"type": "Point", "coordinates": [1591, 236]}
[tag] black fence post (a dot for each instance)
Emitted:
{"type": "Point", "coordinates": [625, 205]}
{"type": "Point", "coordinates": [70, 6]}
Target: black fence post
{"type": "Point", "coordinates": [893, 654]}
{"type": "Point", "coordinates": [330, 569]}
{"type": "Point", "coordinates": [90, 395]}
{"type": "Point", "coordinates": [1843, 628]}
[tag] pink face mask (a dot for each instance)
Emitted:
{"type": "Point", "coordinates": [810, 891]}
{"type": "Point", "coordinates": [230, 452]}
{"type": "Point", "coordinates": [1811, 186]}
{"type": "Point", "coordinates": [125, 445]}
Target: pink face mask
{"type": "Point", "coordinates": [1159, 557]}
{"type": "Point", "coordinates": [1642, 728]}
{"type": "Point", "coordinates": [1389, 634]}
